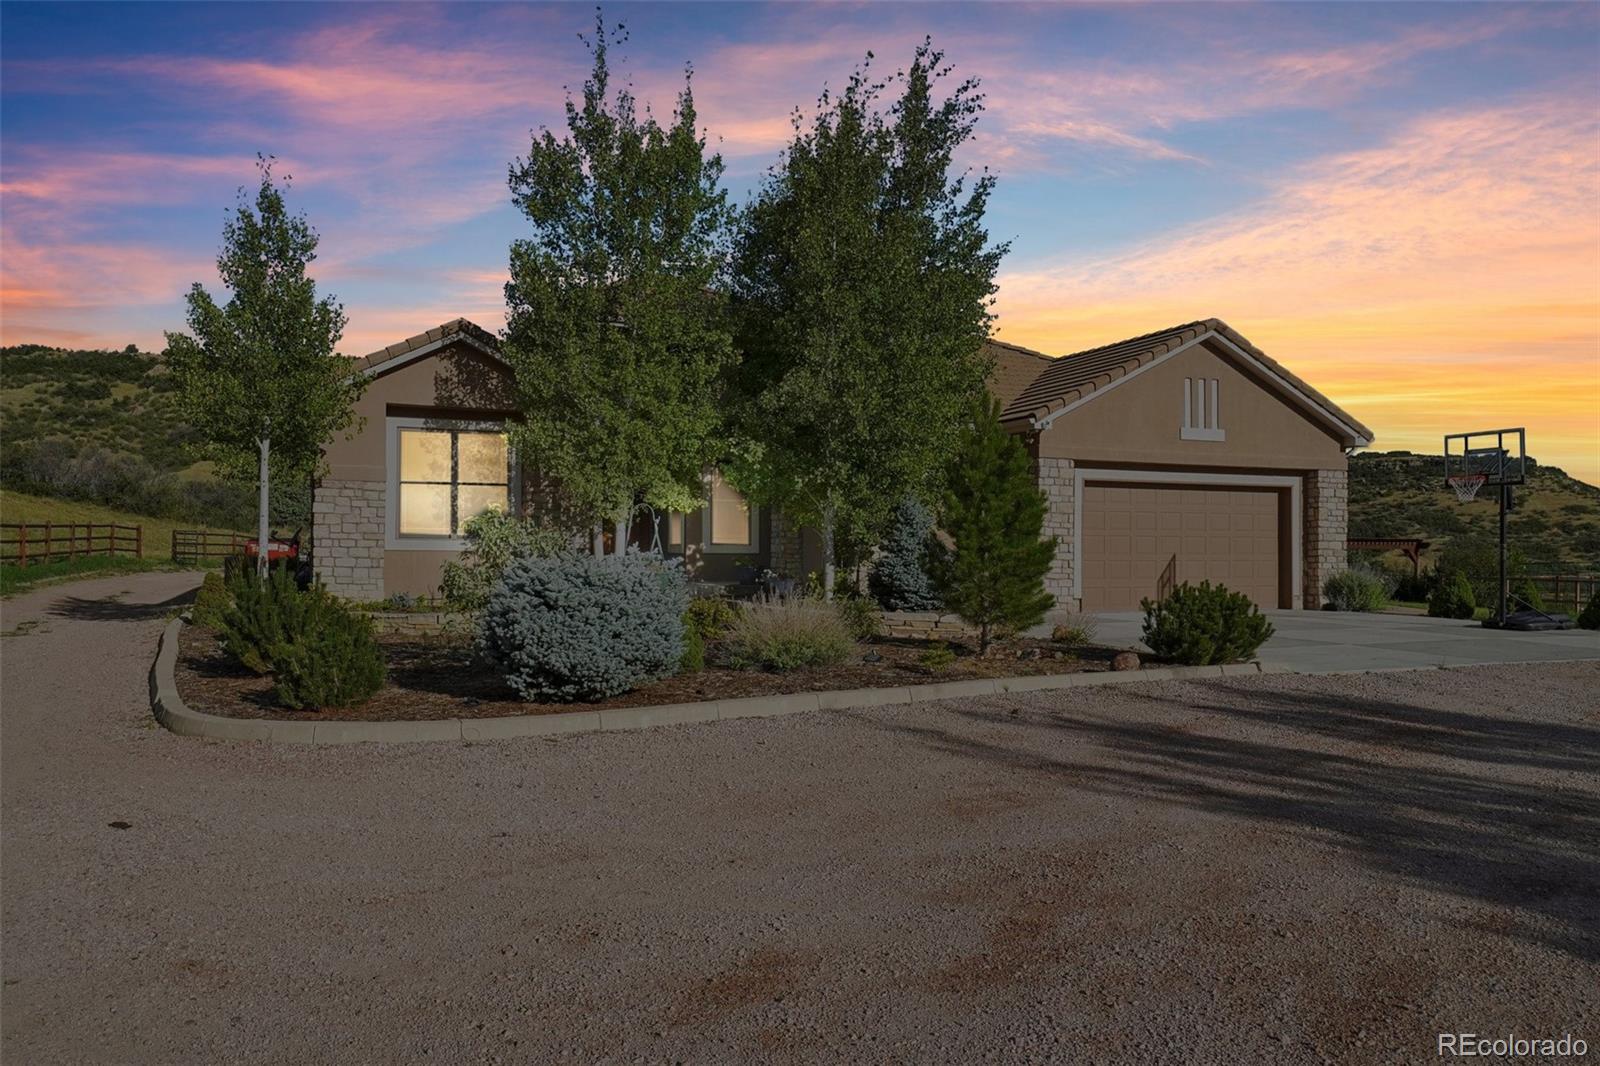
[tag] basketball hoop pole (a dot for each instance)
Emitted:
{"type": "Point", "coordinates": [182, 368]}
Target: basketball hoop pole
{"type": "Point", "coordinates": [1504, 490]}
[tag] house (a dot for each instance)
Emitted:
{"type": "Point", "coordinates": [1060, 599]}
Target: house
{"type": "Point", "coordinates": [1182, 455]}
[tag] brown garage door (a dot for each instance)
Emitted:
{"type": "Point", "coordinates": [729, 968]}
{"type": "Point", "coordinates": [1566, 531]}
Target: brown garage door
{"type": "Point", "coordinates": [1140, 540]}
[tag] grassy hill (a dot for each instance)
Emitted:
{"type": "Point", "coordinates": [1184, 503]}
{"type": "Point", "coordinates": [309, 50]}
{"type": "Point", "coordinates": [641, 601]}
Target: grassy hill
{"type": "Point", "coordinates": [25, 507]}
{"type": "Point", "coordinates": [1556, 519]}
{"type": "Point", "coordinates": [101, 427]}
{"type": "Point", "coordinates": [120, 401]}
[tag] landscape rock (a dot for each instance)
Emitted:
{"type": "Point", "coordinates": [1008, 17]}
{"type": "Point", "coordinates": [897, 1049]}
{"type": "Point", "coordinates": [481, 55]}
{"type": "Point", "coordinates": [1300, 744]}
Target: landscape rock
{"type": "Point", "coordinates": [1125, 660]}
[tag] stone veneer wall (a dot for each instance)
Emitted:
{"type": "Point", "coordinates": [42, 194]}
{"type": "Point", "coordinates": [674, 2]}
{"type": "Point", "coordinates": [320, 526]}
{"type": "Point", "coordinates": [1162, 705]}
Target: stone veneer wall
{"type": "Point", "coordinates": [785, 556]}
{"type": "Point", "coordinates": [1057, 481]}
{"type": "Point", "coordinates": [1326, 524]}
{"type": "Point", "coordinates": [347, 520]}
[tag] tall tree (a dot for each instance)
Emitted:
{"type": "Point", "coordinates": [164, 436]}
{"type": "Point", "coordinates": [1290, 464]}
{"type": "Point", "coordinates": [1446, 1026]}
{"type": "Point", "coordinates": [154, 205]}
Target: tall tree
{"type": "Point", "coordinates": [991, 568]}
{"type": "Point", "coordinates": [864, 278]}
{"type": "Point", "coordinates": [259, 376]}
{"type": "Point", "coordinates": [617, 328]}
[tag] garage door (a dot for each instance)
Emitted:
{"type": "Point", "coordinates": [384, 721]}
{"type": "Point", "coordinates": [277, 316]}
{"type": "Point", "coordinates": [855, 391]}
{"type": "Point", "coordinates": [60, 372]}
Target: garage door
{"type": "Point", "coordinates": [1141, 540]}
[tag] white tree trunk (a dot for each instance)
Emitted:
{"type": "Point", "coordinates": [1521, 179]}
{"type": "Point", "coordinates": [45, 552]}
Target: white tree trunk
{"type": "Point", "coordinates": [599, 539]}
{"type": "Point", "coordinates": [621, 546]}
{"type": "Point", "coordinates": [263, 532]}
{"type": "Point", "coordinates": [827, 552]}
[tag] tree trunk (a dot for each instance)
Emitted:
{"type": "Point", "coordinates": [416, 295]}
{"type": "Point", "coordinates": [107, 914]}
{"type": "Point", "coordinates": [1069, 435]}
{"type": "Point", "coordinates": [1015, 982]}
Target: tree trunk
{"type": "Point", "coordinates": [827, 552]}
{"type": "Point", "coordinates": [263, 532]}
{"type": "Point", "coordinates": [621, 547]}
{"type": "Point", "coordinates": [599, 539]}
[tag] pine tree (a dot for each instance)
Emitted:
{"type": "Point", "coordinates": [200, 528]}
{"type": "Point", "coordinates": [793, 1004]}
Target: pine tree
{"type": "Point", "coordinates": [992, 571]}
{"type": "Point", "coordinates": [899, 579]}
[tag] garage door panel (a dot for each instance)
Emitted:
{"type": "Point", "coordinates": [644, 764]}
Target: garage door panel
{"type": "Point", "coordinates": [1140, 539]}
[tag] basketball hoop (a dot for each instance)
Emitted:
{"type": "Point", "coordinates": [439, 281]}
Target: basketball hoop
{"type": "Point", "coordinates": [1466, 485]}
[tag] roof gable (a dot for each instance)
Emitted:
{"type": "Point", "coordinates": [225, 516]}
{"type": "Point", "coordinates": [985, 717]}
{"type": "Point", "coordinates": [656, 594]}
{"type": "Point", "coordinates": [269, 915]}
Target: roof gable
{"type": "Point", "coordinates": [423, 344]}
{"type": "Point", "coordinates": [1076, 379]}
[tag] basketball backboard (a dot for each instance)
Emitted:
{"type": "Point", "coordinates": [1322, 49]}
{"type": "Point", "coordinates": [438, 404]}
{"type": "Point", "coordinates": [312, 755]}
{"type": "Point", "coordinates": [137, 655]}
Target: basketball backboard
{"type": "Point", "coordinates": [1494, 455]}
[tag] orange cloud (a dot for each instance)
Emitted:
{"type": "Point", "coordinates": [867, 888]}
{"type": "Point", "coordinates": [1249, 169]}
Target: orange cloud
{"type": "Point", "coordinates": [1442, 281]}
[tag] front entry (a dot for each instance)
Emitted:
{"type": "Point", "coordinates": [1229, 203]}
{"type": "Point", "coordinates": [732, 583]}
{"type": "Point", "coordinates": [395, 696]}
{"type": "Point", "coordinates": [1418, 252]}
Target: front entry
{"type": "Point", "coordinates": [1143, 540]}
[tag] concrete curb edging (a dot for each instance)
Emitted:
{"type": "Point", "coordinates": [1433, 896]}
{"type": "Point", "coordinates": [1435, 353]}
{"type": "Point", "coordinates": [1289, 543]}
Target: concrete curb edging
{"type": "Point", "coordinates": [175, 715]}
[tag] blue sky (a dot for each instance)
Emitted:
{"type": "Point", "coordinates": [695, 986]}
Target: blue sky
{"type": "Point", "coordinates": [1401, 202]}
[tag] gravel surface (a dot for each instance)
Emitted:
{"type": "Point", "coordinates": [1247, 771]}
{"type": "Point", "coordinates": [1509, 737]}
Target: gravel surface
{"type": "Point", "coordinates": [1271, 869]}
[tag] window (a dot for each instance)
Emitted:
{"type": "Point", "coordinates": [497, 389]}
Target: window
{"type": "Point", "coordinates": [731, 525]}
{"type": "Point", "coordinates": [675, 529]}
{"type": "Point", "coordinates": [445, 476]}
{"type": "Point", "coordinates": [1200, 410]}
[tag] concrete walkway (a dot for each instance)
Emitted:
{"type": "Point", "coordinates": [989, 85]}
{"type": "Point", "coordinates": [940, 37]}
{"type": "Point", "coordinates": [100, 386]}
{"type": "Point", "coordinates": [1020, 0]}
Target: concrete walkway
{"type": "Point", "coordinates": [1335, 641]}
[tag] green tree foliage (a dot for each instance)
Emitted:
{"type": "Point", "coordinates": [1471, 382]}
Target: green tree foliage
{"type": "Point", "coordinates": [616, 329]}
{"type": "Point", "coordinates": [1453, 596]}
{"type": "Point", "coordinates": [864, 277]}
{"type": "Point", "coordinates": [494, 541]}
{"type": "Point", "coordinates": [899, 578]}
{"type": "Point", "coordinates": [1204, 624]}
{"type": "Point", "coordinates": [258, 377]}
{"type": "Point", "coordinates": [1589, 617]}
{"type": "Point", "coordinates": [992, 571]}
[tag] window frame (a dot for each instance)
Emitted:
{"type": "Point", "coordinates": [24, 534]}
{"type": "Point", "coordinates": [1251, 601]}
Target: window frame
{"type": "Point", "coordinates": [394, 540]}
{"type": "Point", "coordinates": [707, 543]}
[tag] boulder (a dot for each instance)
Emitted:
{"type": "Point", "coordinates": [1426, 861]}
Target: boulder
{"type": "Point", "coordinates": [1125, 660]}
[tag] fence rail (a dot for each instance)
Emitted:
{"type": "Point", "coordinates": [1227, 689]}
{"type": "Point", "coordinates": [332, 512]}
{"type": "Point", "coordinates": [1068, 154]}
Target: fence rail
{"type": "Point", "coordinates": [22, 543]}
{"type": "Point", "coordinates": [198, 545]}
{"type": "Point", "coordinates": [1566, 591]}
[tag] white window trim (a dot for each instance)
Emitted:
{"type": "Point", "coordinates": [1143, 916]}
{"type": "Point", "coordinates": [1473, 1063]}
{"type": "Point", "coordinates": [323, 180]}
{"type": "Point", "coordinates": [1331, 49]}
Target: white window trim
{"type": "Point", "coordinates": [729, 549]}
{"type": "Point", "coordinates": [1200, 421]}
{"type": "Point", "coordinates": [1188, 477]}
{"type": "Point", "coordinates": [392, 540]}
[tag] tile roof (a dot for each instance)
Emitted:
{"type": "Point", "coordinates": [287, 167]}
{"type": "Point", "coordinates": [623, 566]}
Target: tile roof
{"type": "Point", "coordinates": [454, 327]}
{"type": "Point", "coordinates": [1074, 377]}
{"type": "Point", "coordinates": [1015, 368]}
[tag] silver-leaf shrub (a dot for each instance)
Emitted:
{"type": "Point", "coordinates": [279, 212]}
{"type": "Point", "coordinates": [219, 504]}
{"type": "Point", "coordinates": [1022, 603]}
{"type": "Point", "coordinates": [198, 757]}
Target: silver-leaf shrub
{"type": "Point", "coordinates": [581, 627]}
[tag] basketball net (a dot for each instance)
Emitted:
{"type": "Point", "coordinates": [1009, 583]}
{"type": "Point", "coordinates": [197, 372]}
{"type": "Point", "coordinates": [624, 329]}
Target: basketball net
{"type": "Point", "coordinates": [1466, 485]}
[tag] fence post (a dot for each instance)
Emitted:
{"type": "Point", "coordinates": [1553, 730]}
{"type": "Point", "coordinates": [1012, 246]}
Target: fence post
{"type": "Point", "coordinates": [138, 541]}
{"type": "Point", "coordinates": [22, 544]}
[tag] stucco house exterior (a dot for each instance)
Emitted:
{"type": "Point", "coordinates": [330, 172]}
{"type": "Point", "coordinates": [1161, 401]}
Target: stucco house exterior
{"type": "Point", "coordinates": [1181, 455]}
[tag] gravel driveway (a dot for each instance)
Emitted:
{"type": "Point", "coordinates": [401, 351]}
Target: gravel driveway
{"type": "Point", "coordinates": [1267, 869]}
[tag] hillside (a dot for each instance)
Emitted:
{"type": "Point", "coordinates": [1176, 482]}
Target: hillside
{"type": "Point", "coordinates": [121, 401]}
{"type": "Point", "coordinates": [24, 507]}
{"type": "Point", "coordinates": [102, 427]}
{"type": "Point", "coordinates": [1401, 494]}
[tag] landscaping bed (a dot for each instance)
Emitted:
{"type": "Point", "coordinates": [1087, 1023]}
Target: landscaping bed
{"type": "Point", "coordinates": [439, 678]}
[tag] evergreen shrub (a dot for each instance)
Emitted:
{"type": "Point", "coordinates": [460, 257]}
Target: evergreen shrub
{"type": "Point", "coordinates": [584, 627]}
{"type": "Point", "coordinates": [1204, 624]}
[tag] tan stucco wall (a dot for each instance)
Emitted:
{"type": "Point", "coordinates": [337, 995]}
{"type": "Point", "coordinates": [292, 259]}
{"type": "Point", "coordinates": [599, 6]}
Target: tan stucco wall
{"type": "Point", "coordinates": [459, 381]}
{"type": "Point", "coordinates": [1138, 422]}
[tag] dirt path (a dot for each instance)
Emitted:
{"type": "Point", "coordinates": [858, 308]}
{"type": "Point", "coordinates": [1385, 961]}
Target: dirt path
{"type": "Point", "coordinates": [1274, 869]}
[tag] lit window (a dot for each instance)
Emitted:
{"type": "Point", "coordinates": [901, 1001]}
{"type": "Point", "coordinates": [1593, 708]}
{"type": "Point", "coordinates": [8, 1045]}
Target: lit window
{"type": "Point", "coordinates": [674, 529]}
{"type": "Point", "coordinates": [730, 516]}
{"type": "Point", "coordinates": [448, 476]}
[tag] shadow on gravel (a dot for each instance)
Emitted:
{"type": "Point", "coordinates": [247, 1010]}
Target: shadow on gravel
{"type": "Point", "coordinates": [1480, 832]}
{"type": "Point", "coordinates": [111, 609]}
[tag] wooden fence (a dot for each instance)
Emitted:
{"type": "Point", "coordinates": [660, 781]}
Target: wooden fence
{"type": "Point", "coordinates": [198, 545]}
{"type": "Point", "coordinates": [1568, 591]}
{"type": "Point", "coordinates": [47, 542]}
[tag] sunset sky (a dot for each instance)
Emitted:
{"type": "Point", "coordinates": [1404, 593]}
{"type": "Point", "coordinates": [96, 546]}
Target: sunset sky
{"type": "Point", "coordinates": [1401, 203]}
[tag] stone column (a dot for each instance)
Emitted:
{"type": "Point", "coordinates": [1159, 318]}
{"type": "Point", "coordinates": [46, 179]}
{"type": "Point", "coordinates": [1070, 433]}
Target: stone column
{"type": "Point", "coordinates": [786, 557]}
{"type": "Point", "coordinates": [1326, 521]}
{"type": "Point", "coordinates": [347, 522]}
{"type": "Point", "coordinates": [1058, 481]}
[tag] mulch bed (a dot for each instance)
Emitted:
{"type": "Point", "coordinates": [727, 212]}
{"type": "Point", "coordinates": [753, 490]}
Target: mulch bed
{"type": "Point", "coordinates": [439, 678]}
